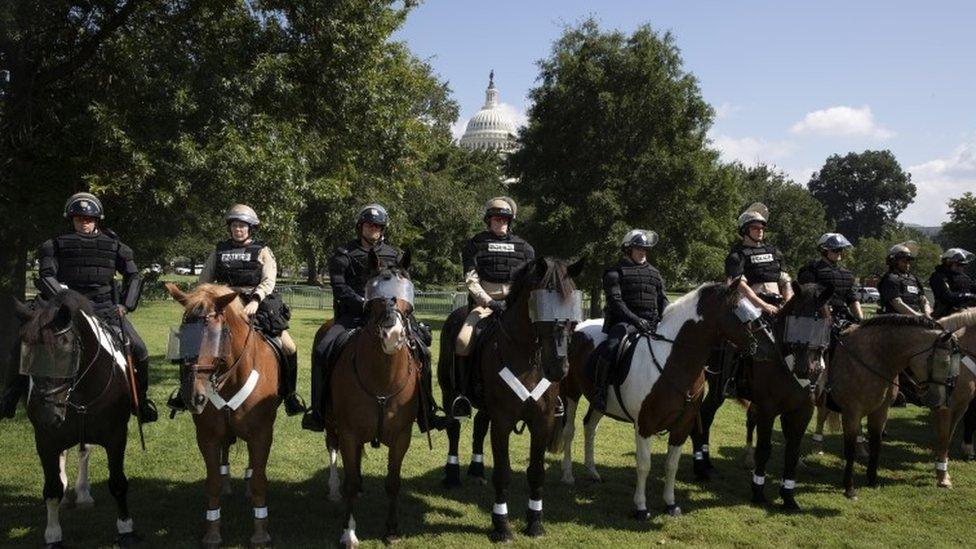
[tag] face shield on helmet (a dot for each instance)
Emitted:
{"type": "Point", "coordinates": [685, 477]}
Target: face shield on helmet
{"type": "Point", "coordinates": [83, 205]}
{"type": "Point", "coordinates": [500, 206]}
{"type": "Point", "coordinates": [957, 255]}
{"type": "Point", "coordinates": [639, 238]}
{"type": "Point", "coordinates": [755, 213]}
{"type": "Point", "coordinates": [907, 250]}
{"type": "Point", "coordinates": [833, 242]}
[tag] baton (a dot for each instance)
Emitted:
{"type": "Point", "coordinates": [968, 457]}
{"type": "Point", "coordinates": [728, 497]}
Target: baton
{"type": "Point", "coordinates": [127, 345]}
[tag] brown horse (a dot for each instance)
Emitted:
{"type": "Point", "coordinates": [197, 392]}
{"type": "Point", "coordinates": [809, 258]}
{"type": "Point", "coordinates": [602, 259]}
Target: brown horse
{"type": "Point", "coordinates": [663, 385]}
{"type": "Point", "coordinates": [784, 377]}
{"type": "Point", "coordinates": [862, 379]}
{"type": "Point", "coordinates": [374, 388]}
{"type": "Point", "coordinates": [79, 395]}
{"type": "Point", "coordinates": [230, 384]}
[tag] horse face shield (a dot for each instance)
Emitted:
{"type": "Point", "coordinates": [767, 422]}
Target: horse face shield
{"type": "Point", "coordinates": [807, 338]}
{"type": "Point", "coordinates": [200, 345]}
{"type": "Point", "coordinates": [52, 366]}
{"type": "Point", "coordinates": [553, 317]}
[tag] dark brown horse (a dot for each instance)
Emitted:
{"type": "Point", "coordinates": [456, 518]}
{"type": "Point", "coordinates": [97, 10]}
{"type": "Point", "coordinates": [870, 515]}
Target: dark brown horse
{"type": "Point", "coordinates": [79, 395]}
{"type": "Point", "coordinates": [662, 387]}
{"type": "Point", "coordinates": [862, 378]}
{"type": "Point", "coordinates": [230, 384]}
{"type": "Point", "coordinates": [374, 391]}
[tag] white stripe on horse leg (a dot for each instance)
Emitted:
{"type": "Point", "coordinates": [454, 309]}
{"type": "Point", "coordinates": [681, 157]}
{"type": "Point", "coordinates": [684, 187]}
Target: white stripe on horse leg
{"type": "Point", "coordinates": [52, 534]}
{"type": "Point", "coordinates": [61, 473]}
{"type": "Point", "coordinates": [670, 471]}
{"type": "Point", "coordinates": [82, 485]}
{"type": "Point", "coordinates": [589, 438]}
{"type": "Point", "coordinates": [334, 494]}
{"type": "Point", "coordinates": [569, 432]}
{"type": "Point", "coordinates": [124, 526]}
{"type": "Point", "coordinates": [643, 456]}
{"type": "Point", "coordinates": [349, 534]}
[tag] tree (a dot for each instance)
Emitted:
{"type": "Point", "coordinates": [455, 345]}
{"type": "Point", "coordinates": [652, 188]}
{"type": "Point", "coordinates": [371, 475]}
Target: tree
{"type": "Point", "coordinates": [960, 230]}
{"type": "Point", "coordinates": [616, 139]}
{"type": "Point", "coordinates": [862, 193]}
{"type": "Point", "coordinates": [868, 258]}
{"type": "Point", "coordinates": [796, 218]}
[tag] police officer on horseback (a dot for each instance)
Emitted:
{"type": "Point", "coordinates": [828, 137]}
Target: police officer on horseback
{"type": "Point", "coordinates": [844, 303]}
{"type": "Point", "coordinates": [952, 288]}
{"type": "Point", "coordinates": [248, 266]}
{"type": "Point", "coordinates": [901, 291]}
{"type": "Point", "coordinates": [86, 260]}
{"type": "Point", "coordinates": [634, 292]}
{"type": "Point", "coordinates": [349, 271]}
{"type": "Point", "coordinates": [489, 261]}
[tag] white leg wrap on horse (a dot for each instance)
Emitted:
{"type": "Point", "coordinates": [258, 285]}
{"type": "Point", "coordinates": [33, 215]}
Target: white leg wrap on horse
{"type": "Point", "coordinates": [704, 448]}
{"type": "Point", "coordinates": [225, 469]}
{"type": "Point", "coordinates": [502, 508]}
{"type": "Point", "coordinates": [248, 473]}
{"type": "Point", "coordinates": [52, 534]}
{"type": "Point", "coordinates": [941, 465]}
{"type": "Point", "coordinates": [477, 458]}
{"type": "Point", "coordinates": [535, 505]}
{"type": "Point", "coordinates": [261, 512]}
{"type": "Point", "coordinates": [818, 437]}
{"type": "Point", "coordinates": [758, 480]}
{"type": "Point", "coordinates": [63, 474]}
{"type": "Point", "coordinates": [699, 456]}
{"type": "Point", "coordinates": [861, 439]}
{"type": "Point", "coordinates": [124, 526]}
{"type": "Point", "coordinates": [789, 484]}
{"type": "Point", "coordinates": [452, 460]}
{"type": "Point", "coordinates": [349, 534]}
{"type": "Point", "coordinates": [213, 514]}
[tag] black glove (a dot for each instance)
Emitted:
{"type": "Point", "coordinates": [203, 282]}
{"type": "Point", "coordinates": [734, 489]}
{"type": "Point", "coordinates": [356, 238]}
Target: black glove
{"type": "Point", "coordinates": [645, 326]}
{"type": "Point", "coordinates": [497, 307]}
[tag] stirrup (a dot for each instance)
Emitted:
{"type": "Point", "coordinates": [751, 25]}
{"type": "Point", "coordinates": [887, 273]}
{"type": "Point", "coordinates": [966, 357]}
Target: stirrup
{"type": "Point", "coordinates": [560, 409]}
{"type": "Point", "coordinates": [294, 404]}
{"type": "Point", "coordinates": [463, 401]}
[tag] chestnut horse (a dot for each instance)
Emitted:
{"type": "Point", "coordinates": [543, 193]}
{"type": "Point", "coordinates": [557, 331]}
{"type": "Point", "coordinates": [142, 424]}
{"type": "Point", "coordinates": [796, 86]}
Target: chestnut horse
{"type": "Point", "coordinates": [230, 384]}
{"type": "Point", "coordinates": [862, 378]}
{"type": "Point", "coordinates": [81, 397]}
{"type": "Point", "coordinates": [375, 387]}
{"type": "Point", "coordinates": [663, 385]}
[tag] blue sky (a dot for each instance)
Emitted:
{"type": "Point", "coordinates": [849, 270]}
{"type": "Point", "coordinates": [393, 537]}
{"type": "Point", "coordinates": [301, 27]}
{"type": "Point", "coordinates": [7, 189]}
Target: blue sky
{"type": "Point", "coordinates": [791, 82]}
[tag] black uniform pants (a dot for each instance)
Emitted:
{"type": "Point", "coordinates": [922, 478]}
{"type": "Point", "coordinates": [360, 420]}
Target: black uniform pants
{"type": "Point", "coordinates": [615, 336]}
{"type": "Point", "coordinates": [323, 354]}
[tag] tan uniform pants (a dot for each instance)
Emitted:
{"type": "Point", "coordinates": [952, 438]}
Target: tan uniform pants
{"type": "Point", "coordinates": [463, 344]}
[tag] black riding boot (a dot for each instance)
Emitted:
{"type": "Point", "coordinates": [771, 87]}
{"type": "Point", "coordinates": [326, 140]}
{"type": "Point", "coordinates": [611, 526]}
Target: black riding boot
{"type": "Point", "coordinates": [12, 394]}
{"type": "Point", "coordinates": [286, 387]}
{"type": "Point", "coordinates": [600, 374]}
{"type": "Point", "coordinates": [461, 405]}
{"type": "Point", "coordinates": [147, 408]}
{"type": "Point", "coordinates": [175, 402]}
{"type": "Point", "coordinates": [428, 417]}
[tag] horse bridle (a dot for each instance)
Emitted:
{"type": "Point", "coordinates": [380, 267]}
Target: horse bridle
{"type": "Point", "coordinates": [217, 380]}
{"type": "Point", "coordinates": [946, 340]}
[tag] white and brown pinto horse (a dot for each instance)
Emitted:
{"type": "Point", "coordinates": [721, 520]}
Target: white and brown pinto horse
{"type": "Point", "coordinates": [230, 384]}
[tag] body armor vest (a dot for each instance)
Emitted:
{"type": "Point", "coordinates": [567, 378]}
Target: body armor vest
{"type": "Point", "coordinates": [359, 268]}
{"type": "Point", "coordinates": [841, 279]}
{"type": "Point", "coordinates": [760, 263]}
{"type": "Point", "coordinates": [640, 286]}
{"type": "Point", "coordinates": [957, 282]}
{"type": "Point", "coordinates": [497, 259]}
{"type": "Point", "coordinates": [909, 289]}
{"type": "Point", "coordinates": [237, 264]}
{"type": "Point", "coordinates": [86, 264]}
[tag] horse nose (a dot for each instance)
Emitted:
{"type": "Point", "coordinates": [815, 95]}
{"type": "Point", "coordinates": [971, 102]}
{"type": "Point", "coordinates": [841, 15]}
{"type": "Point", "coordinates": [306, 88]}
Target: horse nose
{"type": "Point", "coordinates": [199, 400]}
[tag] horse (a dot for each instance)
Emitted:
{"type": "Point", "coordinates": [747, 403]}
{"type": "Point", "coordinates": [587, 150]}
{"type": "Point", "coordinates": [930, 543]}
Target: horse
{"type": "Point", "coordinates": [946, 418]}
{"type": "Point", "coordinates": [662, 387]}
{"type": "Point", "coordinates": [79, 395]}
{"type": "Point", "coordinates": [784, 384]}
{"type": "Point", "coordinates": [862, 379]}
{"type": "Point", "coordinates": [375, 387]}
{"type": "Point", "coordinates": [229, 374]}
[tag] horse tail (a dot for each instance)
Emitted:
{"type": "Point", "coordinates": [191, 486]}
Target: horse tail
{"type": "Point", "coordinates": [555, 444]}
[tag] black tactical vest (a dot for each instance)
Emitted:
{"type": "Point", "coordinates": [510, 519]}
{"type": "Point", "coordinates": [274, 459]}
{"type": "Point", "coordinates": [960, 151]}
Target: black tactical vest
{"type": "Point", "coordinates": [497, 259]}
{"type": "Point", "coordinates": [958, 283]}
{"type": "Point", "coordinates": [640, 286]}
{"type": "Point", "coordinates": [357, 275]}
{"type": "Point", "coordinates": [86, 264]}
{"type": "Point", "coordinates": [760, 263]}
{"type": "Point", "coordinates": [237, 265]}
{"type": "Point", "coordinates": [909, 289]}
{"type": "Point", "coordinates": [841, 279]}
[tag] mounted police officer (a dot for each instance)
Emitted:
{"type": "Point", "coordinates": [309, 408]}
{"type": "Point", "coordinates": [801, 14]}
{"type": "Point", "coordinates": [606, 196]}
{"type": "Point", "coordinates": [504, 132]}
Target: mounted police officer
{"type": "Point", "coordinates": [634, 292]}
{"type": "Point", "coordinates": [953, 289]}
{"type": "Point", "coordinates": [248, 266]}
{"type": "Point", "coordinates": [489, 260]}
{"type": "Point", "coordinates": [349, 271]}
{"type": "Point", "coordinates": [901, 291]}
{"type": "Point", "coordinates": [844, 303]}
{"type": "Point", "coordinates": [86, 260]}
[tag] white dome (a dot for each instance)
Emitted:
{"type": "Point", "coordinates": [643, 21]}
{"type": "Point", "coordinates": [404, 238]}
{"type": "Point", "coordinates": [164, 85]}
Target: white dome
{"type": "Point", "coordinates": [491, 127]}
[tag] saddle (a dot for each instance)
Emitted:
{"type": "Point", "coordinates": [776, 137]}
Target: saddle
{"type": "Point", "coordinates": [279, 351]}
{"type": "Point", "coordinates": [475, 389]}
{"type": "Point", "coordinates": [623, 358]}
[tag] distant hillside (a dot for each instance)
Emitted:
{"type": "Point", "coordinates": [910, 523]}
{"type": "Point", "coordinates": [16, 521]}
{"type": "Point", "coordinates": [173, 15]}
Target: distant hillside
{"type": "Point", "coordinates": [931, 232]}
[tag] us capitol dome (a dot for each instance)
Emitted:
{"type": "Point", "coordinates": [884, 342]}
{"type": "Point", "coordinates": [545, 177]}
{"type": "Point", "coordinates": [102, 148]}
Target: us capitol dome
{"type": "Point", "coordinates": [491, 128]}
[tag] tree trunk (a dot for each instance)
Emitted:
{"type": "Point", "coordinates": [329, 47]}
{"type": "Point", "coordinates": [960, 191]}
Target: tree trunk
{"type": "Point", "coordinates": [13, 278]}
{"type": "Point", "coordinates": [312, 264]}
{"type": "Point", "coordinates": [596, 311]}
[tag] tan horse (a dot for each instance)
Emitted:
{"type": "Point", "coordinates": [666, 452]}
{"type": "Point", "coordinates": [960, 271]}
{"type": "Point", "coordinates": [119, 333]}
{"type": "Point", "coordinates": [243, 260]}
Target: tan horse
{"type": "Point", "coordinates": [945, 419]}
{"type": "Point", "coordinates": [231, 387]}
{"type": "Point", "coordinates": [862, 379]}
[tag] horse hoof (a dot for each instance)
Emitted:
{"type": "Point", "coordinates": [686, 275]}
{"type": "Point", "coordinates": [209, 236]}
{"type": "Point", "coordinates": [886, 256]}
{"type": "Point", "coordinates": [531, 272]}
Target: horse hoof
{"type": "Point", "coordinates": [451, 483]}
{"type": "Point", "coordinates": [945, 484]}
{"type": "Point", "coordinates": [789, 504]}
{"type": "Point", "coordinates": [568, 480]}
{"type": "Point", "coordinates": [534, 529]}
{"type": "Point", "coordinates": [593, 476]}
{"type": "Point", "coordinates": [476, 470]}
{"type": "Point", "coordinates": [500, 537]}
{"type": "Point", "coordinates": [672, 510]}
{"type": "Point", "coordinates": [127, 540]}
{"type": "Point", "coordinates": [642, 515]}
{"type": "Point", "coordinates": [264, 541]}
{"type": "Point", "coordinates": [56, 545]}
{"type": "Point", "coordinates": [391, 539]}
{"type": "Point", "coordinates": [851, 494]}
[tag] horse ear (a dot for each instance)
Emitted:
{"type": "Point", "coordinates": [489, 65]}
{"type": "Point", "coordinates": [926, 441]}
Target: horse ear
{"type": "Point", "coordinates": [541, 265]}
{"type": "Point", "coordinates": [405, 260]}
{"type": "Point", "coordinates": [577, 267]}
{"type": "Point", "coordinates": [22, 311]}
{"type": "Point", "coordinates": [63, 317]}
{"type": "Point", "coordinates": [176, 292]}
{"type": "Point", "coordinates": [223, 301]}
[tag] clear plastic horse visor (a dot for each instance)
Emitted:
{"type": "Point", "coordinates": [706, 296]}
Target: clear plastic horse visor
{"type": "Point", "coordinates": [746, 311]}
{"type": "Point", "coordinates": [550, 306]}
{"type": "Point", "coordinates": [388, 286]}
{"type": "Point", "coordinates": [59, 360]}
{"type": "Point", "coordinates": [807, 330]}
{"type": "Point", "coordinates": [197, 339]}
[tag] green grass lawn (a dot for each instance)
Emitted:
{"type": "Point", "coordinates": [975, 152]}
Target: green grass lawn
{"type": "Point", "coordinates": [166, 492]}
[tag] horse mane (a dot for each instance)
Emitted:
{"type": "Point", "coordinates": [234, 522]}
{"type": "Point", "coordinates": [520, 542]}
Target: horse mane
{"type": "Point", "coordinates": [902, 320]}
{"type": "Point", "coordinates": [36, 331]}
{"type": "Point", "coordinates": [956, 321]}
{"type": "Point", "coordinates": [555, 275]}
{"type": "Point", "coordinates": [204, 296]}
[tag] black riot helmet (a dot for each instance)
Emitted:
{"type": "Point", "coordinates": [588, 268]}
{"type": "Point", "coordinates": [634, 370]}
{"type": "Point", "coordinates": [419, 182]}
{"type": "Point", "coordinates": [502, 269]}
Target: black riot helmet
{"type": "Point", "coordinates": [372, 213]}
{"type": "Point", "coordinates": [639, 238]}
{"type": "Point", "coordinates": [85, 205]}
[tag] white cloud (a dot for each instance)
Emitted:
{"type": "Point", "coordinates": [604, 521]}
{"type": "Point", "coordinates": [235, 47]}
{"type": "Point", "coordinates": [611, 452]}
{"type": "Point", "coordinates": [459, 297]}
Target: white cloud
{"type": "Point", "coordinates": [726, 110]}
{"type": "Point", "coordinates": [801, 176]}
{"type": "Point", "coordinates": [751, 150]}
{"type": "Point", "coordinates": [939, 180]}
{"type": "Point", "coordinates": [841, 121]}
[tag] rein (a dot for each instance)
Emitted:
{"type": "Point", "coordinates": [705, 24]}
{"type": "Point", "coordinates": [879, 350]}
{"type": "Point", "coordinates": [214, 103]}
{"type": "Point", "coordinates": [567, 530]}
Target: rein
{"type": "Point", "coordinates": [946, 335]}
{"type": "Point", "coordinates": [218, 381]}
{"type": "Point", "coordinates": [382, 400]}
